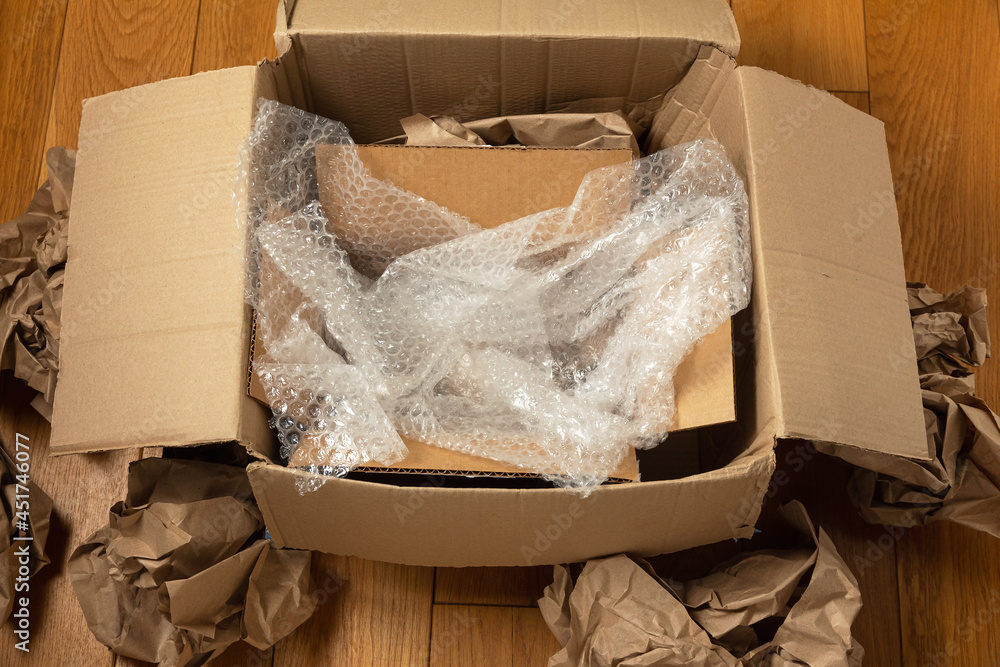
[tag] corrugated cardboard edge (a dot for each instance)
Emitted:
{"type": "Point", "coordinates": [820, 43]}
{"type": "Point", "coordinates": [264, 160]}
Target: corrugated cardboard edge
{"type": "Point", "coordinates": [282, 41]}
{"type": "Point", "coordinates": [290, 75]}
{"type": "Point", "coordinates": [684, 113]}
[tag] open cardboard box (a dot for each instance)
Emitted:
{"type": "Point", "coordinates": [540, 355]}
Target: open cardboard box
{"type": "Point", "coordinates": [156, 332]}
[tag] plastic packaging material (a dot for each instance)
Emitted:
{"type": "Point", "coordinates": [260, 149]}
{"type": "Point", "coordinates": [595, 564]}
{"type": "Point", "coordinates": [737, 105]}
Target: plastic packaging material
{"type": "Point", "coordinates": [549, 342]}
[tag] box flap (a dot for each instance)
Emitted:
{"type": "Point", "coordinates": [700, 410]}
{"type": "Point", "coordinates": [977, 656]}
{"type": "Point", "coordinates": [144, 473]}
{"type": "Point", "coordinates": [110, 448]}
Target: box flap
{"type": "Point", "coordinates": [153, 342]}
{"type": "Point", "coordinates": [828, 268]}
{"type": "Point", "coordinates": [707, 21]}
{"type": "Point", "coordinates": [371, 64]}
{"type": "Point", "coordinates": [448, 527]}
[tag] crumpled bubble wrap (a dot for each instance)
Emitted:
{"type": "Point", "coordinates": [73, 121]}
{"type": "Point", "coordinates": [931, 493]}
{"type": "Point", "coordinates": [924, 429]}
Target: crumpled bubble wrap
{"type": "Point", "coordinates": [549, 342]}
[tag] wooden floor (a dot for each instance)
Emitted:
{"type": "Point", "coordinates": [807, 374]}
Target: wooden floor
{"type": "Point", "coordinates": [930, 69]}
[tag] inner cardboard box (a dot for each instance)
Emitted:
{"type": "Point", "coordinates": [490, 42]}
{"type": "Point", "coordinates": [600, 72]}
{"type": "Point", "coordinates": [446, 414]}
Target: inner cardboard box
{"type": "Point", "coordinates": [491, 186]}
{"type": "Point", "coordinates": [156, 337]}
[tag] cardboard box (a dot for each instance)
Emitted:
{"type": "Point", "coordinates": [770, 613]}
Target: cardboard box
{"type": "Point", "coordinates": [154, 346]}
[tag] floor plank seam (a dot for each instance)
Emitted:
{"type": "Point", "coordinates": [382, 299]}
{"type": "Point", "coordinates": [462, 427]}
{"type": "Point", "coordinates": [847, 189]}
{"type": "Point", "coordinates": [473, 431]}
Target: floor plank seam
{"type": "Point", "coordinates": [52, 97]}
{"type": "Point", "coordinates": [533, 605]}
{"type": "Point", "coordinates": [194, 42]}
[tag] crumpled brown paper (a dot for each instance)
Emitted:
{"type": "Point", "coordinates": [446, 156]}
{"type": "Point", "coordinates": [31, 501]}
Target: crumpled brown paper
{"type": "Point", "coordinates": [182, 571]}
{"type": "Point", "coordinates": [32, 262]}
{"type": "Point", "coordinates": [16, 522]}
{"type": "Point", "coordinates": [582, 130]}
{"type": "Point", "coordinates": [962, 484]}
{"type": "Point", "coordinates": [619, 612]}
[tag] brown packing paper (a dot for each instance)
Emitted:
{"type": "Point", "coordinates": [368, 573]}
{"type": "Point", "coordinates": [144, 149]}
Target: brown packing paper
{"type": "Point", "coordinates": [962, 482]}
{"type": "Point", "coordinates": [16, 523]}
{"type": "Point", "coordinates": [32, 262]}
{"type": "Point", "coordinates": [611, 129]}
{"type": "Point", "coordinates": [618, 612]}
{"type": "Point", "coordinates": [953, 325]}
{"type": "Point", "coordinates": [182, 571]}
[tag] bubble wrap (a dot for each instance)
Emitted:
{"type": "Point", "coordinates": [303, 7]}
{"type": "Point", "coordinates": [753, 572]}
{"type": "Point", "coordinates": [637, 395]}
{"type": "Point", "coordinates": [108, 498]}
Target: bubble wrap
{"type": "Point", "coordinates": [549, 343]}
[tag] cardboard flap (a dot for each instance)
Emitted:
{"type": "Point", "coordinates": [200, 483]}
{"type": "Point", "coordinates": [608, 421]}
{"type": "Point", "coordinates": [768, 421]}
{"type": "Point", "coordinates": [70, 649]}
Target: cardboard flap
{"type": "Point", "coordinates": [829, 269]}
{"type": "Point", "coordinates": [448, 527]}
{"type": "Point", "coordinates": [369, 64]}
{"type": "Point", "coordinates": [153, 346]}
{"type": "Point", "coordinates": [708, 21]}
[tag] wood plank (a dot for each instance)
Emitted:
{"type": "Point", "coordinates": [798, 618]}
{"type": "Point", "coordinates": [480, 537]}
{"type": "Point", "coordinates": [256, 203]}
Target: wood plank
{"type": "Point", "coordinates": [368, 613]}
{"type": "Point", "coordinates": [820, 42]}
{"type": "Point", "coordinates": [944, 143]}
{"type": "Point", "coordinates": [234, 32]}
{"type": "Point", "coordinates": [490, 636]}
{"type": "Point", "coordinates": [31, 33]}
{"type": "Point", "coordinates": [517, 586]}
{"type": "Point", "coordinates": [534, 643]}
{"type": "Point", "coordinates": [949, 596]}
{"type": "Point", "coordinates": [473, 635]}
{"type": "Point", "coordinates": [110, 46]}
